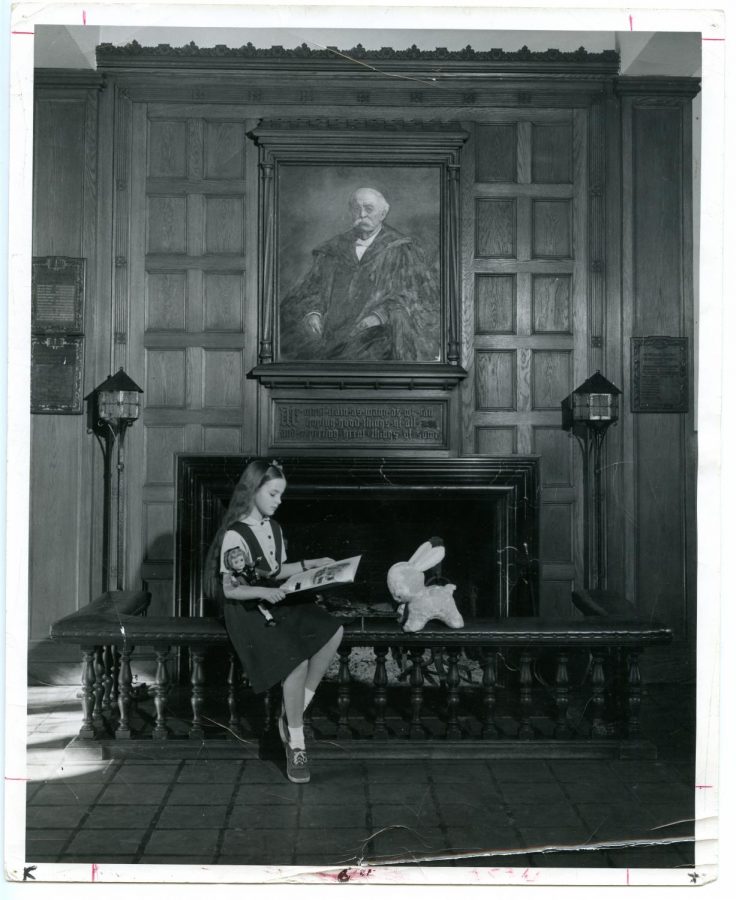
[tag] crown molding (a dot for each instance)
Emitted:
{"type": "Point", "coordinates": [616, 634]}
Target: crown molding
{"type": "Point", "coordinates": [439, 61]}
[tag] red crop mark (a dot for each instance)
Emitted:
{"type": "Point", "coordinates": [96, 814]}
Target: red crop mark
{"type": "Point", "coordinates": [8, 778]}
{"type": "Point", "coordinates": [702, 787]}
{"type": "Point", "coordinates": [627, 876]}
{"type": "Point", "coordinates": [631, 23]}
{"type": "Point", "coordinates": [94, 871]}
{"type": "Point", "coordinates": [714, 39]}
{"type": "Point", "coordinates": [84, 17]}
{"type": "Point", "coordinates": [21, 32]}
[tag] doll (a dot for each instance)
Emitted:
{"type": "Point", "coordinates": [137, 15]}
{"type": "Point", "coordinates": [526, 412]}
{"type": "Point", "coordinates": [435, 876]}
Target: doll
{"type": "Point", "coordinates": [242, 573]}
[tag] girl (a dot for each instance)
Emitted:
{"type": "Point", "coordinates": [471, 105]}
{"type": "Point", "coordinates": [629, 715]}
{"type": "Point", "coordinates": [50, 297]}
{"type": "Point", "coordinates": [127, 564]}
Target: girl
{"type": "Point", "coordinates": [298, 651]}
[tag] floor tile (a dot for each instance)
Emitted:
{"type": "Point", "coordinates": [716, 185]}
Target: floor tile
{"type": "Point", "coordinates": [536, 792]}
{"type": "Point", "coordinates": [67, 794]}
{"type": "Point", "coordinates": [414, 795]}
{"type": "Point", "coordinates": [334, 816]}
{"type": "Point", "coordinates": [192, 817]}
{"type": "Point", "coordinates": [54, 816]}
{"type": "Point", "coordinates": [262, 794]}
{"type": "Point", "coordinates": [412, 842]}
{"type": "Point", "coordinates": [201, 794]}
{"type": "Point", "coordinates": [258, 846]}
{"type": "Point", "coordinates": [450, 772]}
{"type": "Point", "coordinates": [121, 794]}
{"type": "Point", "coordinates": [183, 842]}
{"type": "Point", "coordinates": [111, 817]}
{"type": "Point", "coordinates": [45, 844]}
{"type": "Point", "coordinates": [486, 795]}
{"type": "Point", "coordinates": [524, 771]}
{"type": "Point", "coordinates": [602, 791]}
{"type": "Point", "coordinates": [84, 773]}
{"type": "Point", "coordinates": [104, 843]}
{"type": "Point", "coordinates": [144, 773]}
{"type": "Point", "coordinates": [409, 772]}
{"type": "Point", "coordinates": [90, 858]}
{"type": "Point", "coordinates": [195, 858]}
{"type": "Point", "coordinates": [459, 814]}
{"type": "Point", "coordinates": [423, 816]}
{"type": "Point", "coordinates": [207, 771]}
{"type": "Point", "coordinates": [278, 815]}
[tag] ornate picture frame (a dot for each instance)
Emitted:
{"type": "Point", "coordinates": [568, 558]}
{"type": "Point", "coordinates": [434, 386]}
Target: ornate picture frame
{"type": "Point", "coordinates": [386, 315]}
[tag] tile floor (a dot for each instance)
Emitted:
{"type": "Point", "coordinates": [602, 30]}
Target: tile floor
{"type": "Point", "coordinates": [245, 812]}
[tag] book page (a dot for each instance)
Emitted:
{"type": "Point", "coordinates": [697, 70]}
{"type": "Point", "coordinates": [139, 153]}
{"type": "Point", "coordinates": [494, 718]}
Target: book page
{"type": "Point", "coordinates": [341, 572]}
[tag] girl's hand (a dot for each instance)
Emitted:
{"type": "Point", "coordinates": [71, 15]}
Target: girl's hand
{"type": "Point", "coordinates": [316, 563]}
{"type": "Point", "coordinates": [273, 595]}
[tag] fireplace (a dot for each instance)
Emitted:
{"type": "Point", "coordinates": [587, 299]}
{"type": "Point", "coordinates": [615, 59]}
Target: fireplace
{"type": "Point", "coordinates": [485, 511]}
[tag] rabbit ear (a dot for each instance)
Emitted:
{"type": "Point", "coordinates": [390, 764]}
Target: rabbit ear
{"type": "Point", "coordinates": [419, 553]}
{"type": "Point", "coordinates": [427, 556]}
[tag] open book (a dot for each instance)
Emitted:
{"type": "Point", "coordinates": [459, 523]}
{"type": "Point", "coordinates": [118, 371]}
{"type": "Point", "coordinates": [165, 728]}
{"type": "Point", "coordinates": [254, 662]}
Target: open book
{"type": "Point", "coordinates": [340, 572]}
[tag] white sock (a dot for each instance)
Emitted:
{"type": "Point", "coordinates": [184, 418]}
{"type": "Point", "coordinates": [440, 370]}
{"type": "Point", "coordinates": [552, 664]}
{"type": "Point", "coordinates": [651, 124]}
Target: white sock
{"type": "Point", "coordinates": [296, 737]}
{"type": "Point", "coordinates": [307, 697]}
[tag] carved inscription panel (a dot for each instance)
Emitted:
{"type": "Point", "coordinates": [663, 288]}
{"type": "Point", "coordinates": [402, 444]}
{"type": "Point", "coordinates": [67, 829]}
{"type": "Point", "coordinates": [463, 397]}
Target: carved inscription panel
{"type": "Point", "coordinates": [360, 423]}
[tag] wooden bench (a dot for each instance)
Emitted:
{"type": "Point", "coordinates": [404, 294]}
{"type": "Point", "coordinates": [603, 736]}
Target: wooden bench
{"type": "Point", "coordinates": [518, 701]}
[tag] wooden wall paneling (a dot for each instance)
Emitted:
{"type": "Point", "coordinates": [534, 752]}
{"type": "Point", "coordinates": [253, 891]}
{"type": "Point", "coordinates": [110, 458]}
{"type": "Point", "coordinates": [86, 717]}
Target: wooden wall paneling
{"type": "Point", "coordinates": [130, 340]}
{"type": "Point", "coordinates": [61, 575]}
{"type": "Point", "coordinates": [468, 317]}
{"type": "Point", "coordinates": [581, 227]}
{"type": "Point", "coordinates": [255, 420]}
{"type": "Point", "coordinates": [658, 309]}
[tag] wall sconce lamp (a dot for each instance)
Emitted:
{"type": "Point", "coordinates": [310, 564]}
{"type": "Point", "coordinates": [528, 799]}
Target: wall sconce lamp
{"type": "Point", "coordinates": [112, 407]}
{"type": "Point", "coordinates": [588, 412]}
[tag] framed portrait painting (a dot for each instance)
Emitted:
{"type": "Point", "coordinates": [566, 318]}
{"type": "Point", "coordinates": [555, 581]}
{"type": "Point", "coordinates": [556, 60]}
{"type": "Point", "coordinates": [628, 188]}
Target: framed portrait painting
{"type": "Point", "coordinates": [359, 258]}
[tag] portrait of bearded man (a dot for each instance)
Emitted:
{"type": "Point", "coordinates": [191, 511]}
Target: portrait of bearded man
{"type": "Point", "coordinates": [370, 294]}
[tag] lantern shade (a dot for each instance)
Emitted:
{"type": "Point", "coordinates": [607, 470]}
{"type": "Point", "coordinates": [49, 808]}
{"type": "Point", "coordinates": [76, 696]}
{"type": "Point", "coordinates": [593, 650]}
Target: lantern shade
{"type": "Point", "coordinates": [593, 403]}
{"type": "Point", "coordinates": [117, 399]}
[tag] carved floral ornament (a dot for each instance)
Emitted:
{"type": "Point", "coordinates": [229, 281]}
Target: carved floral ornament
{"type": "Point", "coordinates": [493, 61]}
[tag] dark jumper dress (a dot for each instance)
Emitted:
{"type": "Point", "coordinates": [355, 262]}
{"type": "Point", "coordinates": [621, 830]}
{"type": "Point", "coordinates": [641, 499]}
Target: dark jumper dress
{"type": "Point", "coordinates": [268, 655]}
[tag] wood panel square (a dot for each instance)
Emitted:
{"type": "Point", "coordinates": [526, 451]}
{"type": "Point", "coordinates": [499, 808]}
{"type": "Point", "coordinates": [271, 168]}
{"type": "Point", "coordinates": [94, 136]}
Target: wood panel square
{"type": "Point", "coordinates": [495, 153]}
{"type": "Point", "coordinates": [555, 600]}
{"type": "Point", "coordinates": [495, 440]}
{"type": "Point", "coordinates": [158, 531]}
{"type": "Point", "coordinates": [224, 150]}
{"type": "Point", "coordinates": [167, 148]}
{"type": "Point", "coordinates": [495, 304]}
{"type": "Point", "coordinates": [223, 379]}
{"type": "Point", "coordinates": [221, 440]}
{"type": "Point", "coordinates": [167, 224]}
{"type": "Point", "coordinates": [551, 229]}
{"type": "Point", "coordinates": [495, 379]}
{"type": "Point", "coordinates": [166, 378]}
{"type": "Point", "coordinates": [555, 532]}
{"type": "Point", "coordinates": [552, 153]}
{"type": "Point", "coordinates": [551, 300]}
{"type": "Point", "coordinates": [166, 301]}
{"type": "Point", "coordinates": [551, 378]}
{"type": "Point", "coordinates": [160, 444]}
{"type": "Point", "coordinates": [224, 225]}
{"type": "Point", "coordinates": [555, 446]}
{"type": "Point", "coordinates": [495, 229]}
{"type": "Point", "coordinates": [223, 301]}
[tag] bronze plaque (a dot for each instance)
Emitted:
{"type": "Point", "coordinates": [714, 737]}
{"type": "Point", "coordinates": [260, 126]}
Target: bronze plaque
{"type": "Point", "coordinates": [57, 294]}
{"type": "Point", "coordinates": [56, 374]}
{"type": "Point", "coordinates": [360, 423]}
{"type": "Point", "coordinates": [659, 375]}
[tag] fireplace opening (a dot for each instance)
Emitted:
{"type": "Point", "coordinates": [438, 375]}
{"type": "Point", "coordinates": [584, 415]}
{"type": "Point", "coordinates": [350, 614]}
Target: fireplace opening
{"type": "Point", "coordinates": [485, 511]}
{"type": "Point", "coordinates": [387, 524]}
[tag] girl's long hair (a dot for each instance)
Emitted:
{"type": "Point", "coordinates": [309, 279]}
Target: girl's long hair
{"type": "Point", "coordinates": [256, 474]}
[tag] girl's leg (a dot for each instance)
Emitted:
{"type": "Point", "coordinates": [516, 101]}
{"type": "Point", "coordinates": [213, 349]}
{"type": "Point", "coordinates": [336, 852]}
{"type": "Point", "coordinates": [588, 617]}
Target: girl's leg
{"type": "Point", "coordinates": [319, 663]}
{"type": "Point", "coordinates": [293, 686]}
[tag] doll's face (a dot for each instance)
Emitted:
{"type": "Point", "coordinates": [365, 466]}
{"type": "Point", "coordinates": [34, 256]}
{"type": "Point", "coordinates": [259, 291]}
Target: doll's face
{"type": "Point", "coordinates": [237, 560]}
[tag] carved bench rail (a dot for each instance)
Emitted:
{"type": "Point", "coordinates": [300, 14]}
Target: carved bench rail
{"type": "Point", "coordinates": [509, 705]}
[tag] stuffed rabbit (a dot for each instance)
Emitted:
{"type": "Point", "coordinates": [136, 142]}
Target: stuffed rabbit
{"type": "Point", "coordinates": [417, 602]}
